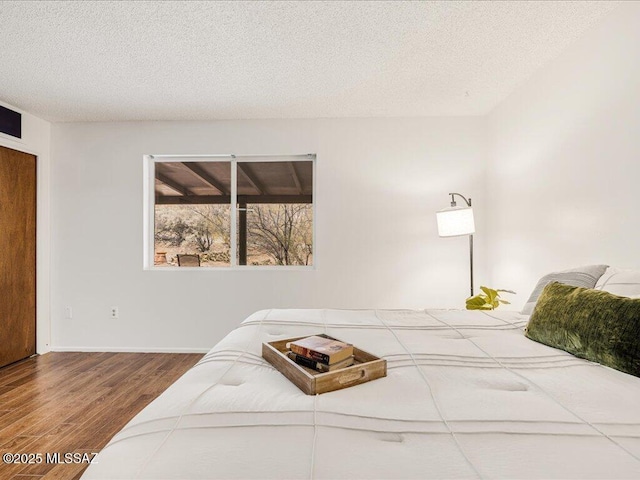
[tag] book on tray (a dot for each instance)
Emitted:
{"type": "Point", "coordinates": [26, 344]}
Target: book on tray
{"type": "Point", "coordinates": [319, 366]}
{"type": "Point", "coordinates": [327, 351]}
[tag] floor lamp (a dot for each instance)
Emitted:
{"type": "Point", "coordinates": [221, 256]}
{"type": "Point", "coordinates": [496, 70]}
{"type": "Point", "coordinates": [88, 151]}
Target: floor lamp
{"type": "Point", "coordinates": [458, 221]}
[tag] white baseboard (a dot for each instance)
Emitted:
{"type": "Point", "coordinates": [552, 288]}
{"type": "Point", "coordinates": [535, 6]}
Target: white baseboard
{"type": "Point", "coordinates": [130, 349]}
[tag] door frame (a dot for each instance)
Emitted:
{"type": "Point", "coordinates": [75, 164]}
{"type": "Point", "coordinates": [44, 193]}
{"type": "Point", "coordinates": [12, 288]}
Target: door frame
{"type": "Point", "coordinates": [43, 244]}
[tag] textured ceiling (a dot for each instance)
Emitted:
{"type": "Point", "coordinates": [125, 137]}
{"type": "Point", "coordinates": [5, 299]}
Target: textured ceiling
{"type": "Point", "coordinates": [94, 61]}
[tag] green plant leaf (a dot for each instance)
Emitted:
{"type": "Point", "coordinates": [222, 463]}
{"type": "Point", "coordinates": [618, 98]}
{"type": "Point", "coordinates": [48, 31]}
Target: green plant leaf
{"type": "Point", "coordinates": [487, 291]}
{"type": "Point", "coordinates": [488, 300]}
{"type": "Point", "coordinates": [477, 302]}
{"type": "Point", "coordinates": [491, 294]}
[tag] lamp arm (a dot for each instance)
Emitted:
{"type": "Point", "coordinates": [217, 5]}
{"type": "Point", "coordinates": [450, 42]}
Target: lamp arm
{"type": "Point", "coordinates": [466, 200]}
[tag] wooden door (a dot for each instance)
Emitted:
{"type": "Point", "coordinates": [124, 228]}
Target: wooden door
{"type": "Point", "coordinates": [17, 255]}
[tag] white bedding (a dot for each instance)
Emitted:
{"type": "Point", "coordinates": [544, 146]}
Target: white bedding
{"type": "Point", "coordinates": [466, 396]}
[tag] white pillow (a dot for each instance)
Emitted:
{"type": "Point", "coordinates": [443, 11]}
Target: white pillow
{"type": "Point", "coordinates": [585, 277]}
{"type": "Point", "coordinates": [625, 283]}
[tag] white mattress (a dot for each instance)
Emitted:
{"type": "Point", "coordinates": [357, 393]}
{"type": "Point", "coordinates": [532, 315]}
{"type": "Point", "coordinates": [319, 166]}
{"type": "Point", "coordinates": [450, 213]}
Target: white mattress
{"type": "Point", "coordinates": [466, 396]}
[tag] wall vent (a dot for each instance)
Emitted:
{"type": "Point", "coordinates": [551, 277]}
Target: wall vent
{"type": "Point", "coordinates": [10, 122]}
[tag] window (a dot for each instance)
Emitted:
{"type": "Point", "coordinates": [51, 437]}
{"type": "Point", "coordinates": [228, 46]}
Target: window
{"type": "Point", "coordinates": [227, 211]}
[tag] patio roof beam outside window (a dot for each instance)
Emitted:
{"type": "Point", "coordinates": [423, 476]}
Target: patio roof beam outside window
{"type": "Point", "coordinates": [182, 190]}
{"type": "Point", "coordinates": [250, 178]}
{"type": "Point", "coordinates": [225, 199]}
{"type": "Point", "coordinates": [296, 178]}
{"type": "Point", "coordinates": [205, 177]}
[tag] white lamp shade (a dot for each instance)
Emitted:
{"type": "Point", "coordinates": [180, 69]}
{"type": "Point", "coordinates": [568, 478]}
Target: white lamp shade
{"type": "Point", "coordinates": [454, 222]}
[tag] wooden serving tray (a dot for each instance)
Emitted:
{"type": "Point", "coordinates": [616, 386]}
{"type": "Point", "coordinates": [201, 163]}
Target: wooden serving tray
{"type": "Point", "coordinates": [367, 367]}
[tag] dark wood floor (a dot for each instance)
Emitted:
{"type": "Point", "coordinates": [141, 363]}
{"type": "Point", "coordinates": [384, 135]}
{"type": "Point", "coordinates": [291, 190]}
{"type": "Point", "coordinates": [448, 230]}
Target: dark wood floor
{"type": "Point", "coordinates": [75, 402]}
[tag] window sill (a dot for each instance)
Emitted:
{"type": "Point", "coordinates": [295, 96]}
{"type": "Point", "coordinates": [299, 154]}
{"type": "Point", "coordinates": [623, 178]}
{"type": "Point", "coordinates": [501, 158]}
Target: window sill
{"type": "Point", "coordinates": [244, 268]}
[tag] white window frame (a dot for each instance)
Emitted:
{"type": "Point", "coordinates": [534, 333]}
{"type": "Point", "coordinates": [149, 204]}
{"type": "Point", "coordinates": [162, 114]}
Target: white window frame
{"type": "Point", "coordinates": [149, 174]}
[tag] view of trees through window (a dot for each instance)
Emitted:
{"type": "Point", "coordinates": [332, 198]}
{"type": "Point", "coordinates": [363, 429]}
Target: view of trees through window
{"type": "Point", "coordinates": [193, 229]}
{"type": "Point", "coordinates": [274, 213]}
{"type": "Point", "coordinates": [280, 234]}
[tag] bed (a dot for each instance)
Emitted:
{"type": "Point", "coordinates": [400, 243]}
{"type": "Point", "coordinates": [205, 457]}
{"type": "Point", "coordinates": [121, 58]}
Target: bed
{"type": "Point", "coordinates": [467, 395]}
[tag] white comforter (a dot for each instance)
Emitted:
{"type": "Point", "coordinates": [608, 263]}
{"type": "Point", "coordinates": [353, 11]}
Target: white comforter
{"type": "Point", "coordinates": [466, 396]}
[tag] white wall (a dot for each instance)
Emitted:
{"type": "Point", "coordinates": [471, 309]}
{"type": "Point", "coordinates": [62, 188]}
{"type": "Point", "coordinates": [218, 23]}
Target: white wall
{"type": "Point", "coordinates": [379, 183]}
{"type": "Point", "coordinates": [564, 168]}
{"type": "Point", "coordinates": [36, 135]}
{"type": "Point", "coordinates": [553, 172]}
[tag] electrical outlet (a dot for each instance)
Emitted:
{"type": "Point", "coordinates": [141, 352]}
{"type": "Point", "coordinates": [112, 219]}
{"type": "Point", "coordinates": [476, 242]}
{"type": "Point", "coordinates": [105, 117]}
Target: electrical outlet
{"type": "Point", "coordinates": [68, 312]}
{"type": "Point", "coordinates": [115, 313]}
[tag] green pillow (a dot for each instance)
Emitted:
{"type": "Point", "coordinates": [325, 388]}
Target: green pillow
{"type": "Point", "coordinates": [591, 324]}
